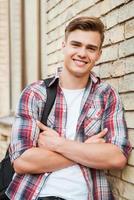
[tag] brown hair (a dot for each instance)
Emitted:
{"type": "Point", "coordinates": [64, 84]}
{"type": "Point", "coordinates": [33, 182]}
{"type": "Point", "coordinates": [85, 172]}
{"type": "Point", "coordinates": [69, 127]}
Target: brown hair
{"type": "Point", "coordinates": [86, 24]}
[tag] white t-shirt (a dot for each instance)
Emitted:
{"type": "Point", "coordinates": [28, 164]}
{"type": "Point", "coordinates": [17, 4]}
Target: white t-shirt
{"type": "Point", "coordinates": [68, 183]}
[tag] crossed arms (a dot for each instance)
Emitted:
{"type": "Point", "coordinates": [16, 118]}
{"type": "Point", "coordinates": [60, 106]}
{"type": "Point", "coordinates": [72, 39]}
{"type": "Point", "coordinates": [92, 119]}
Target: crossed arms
{"type": "Point", "coordinates": [55, 153]}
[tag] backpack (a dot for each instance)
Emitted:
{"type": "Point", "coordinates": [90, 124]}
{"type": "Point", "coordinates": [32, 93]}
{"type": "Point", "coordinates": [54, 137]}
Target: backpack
{"type": "Point", "coordinates": [6, 169]}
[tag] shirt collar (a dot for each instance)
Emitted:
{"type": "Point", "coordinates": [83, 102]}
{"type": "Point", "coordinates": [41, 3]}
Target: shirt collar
{"type": "Point", "coordinates": [93, 77]}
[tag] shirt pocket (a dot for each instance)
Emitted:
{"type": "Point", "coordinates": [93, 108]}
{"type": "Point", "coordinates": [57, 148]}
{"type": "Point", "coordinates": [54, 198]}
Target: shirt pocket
{"type": "Point", "coordinates": [93, 120]}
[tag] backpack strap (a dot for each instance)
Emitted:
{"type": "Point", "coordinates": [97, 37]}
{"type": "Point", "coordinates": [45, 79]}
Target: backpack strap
{"type": "Point", "coordinates": [51, 95]}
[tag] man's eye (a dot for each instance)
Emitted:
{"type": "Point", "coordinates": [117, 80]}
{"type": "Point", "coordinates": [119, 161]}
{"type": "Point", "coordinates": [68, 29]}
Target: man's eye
{"type": "Point", "coordinates": [75, 45]}
{"type": "Point", "coordinates": [91, 49]}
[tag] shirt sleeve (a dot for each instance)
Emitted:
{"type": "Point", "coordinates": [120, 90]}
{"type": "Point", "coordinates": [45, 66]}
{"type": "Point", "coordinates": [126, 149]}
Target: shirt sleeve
{"type": "Point", "coordinates": [113, 119]}
{"type": "Point", "coordinates": [24, 131]}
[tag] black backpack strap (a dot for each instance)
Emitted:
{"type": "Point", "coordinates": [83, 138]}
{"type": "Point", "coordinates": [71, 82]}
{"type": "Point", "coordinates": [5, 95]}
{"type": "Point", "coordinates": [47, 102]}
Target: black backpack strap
{"type": "Point", "coordinates": [51, 95]}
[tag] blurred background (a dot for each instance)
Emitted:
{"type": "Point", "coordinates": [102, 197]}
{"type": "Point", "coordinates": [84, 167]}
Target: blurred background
{"type": "Point", "coordinates": [31, 34]}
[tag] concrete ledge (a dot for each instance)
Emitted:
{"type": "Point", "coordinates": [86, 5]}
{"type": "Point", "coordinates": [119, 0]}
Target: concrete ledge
{"type": "Point", "coordinates": [6, 120]}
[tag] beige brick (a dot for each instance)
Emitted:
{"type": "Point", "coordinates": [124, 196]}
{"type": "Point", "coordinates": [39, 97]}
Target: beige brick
{"type": "Point", "coordinates": [129, 65]}
{"type": "Point", "coordinates": [116, 173]}
{"type": "Point", "coordinates": [116, 186]}
{"type": "Point", "coordinates": [55, 46]}
{"type": "Point", "coordinates": [114, 83]}
{"type": "Point", "coordinates": [129, 29]}
{"type": "Point", "coordinates": [59, 8]}
{"type": "Point", "coordinates": [126, 48]}
{"type": "Point", "coordinates": [131, 136]}
{"type": "Point", "coordinates": [126, 83]}
{"type": "Point", "coordinates": [96, 69]}
{"type": "Point", "coordinates": [56, 34]}
{"type": "Point", "coordinates": [94, 10]}
{"type": "Point", "coordinates": [55, 57]}
{"type": "Point", "coordinates": [131, 159]}
{"type": "Point", "coordinates": [111, 19]}
{"type": "Point", "coordinates": [128, 174]}
{"type": "Point", "coordinates": [126, 12]}
{"type": "Point", "coordinates": [105, 70]}
{"type": "Point", "coordinates": [128, 101]}
{"type": "Point", "coordinates": [118, 68]}
{"type": "Point", "coordinates": [128, 191]}
{"type": "Point", "coordinates": [129, 116]}
{"type": "Point", "coordinates": [109, 53]}
{"type": "Point", "coordinates": [52, 69]}
{"type": "Point", "coordinates": [114, 35]}
{"type": "Point", "coordinates": [52, 3]}
{"type": "Point", "coordinates": [109, 5]}
{"type": "Point", "coordinates": [70, 13]}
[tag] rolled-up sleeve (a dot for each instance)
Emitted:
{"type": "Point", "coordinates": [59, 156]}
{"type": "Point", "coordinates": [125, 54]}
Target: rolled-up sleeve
{"type": "Point", "coordinates": [24, 131]}
{"type": "Point", "coordinates": [114, 120]}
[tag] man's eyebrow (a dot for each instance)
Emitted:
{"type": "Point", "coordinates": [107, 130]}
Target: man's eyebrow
{"type": "Point", "coordinates": [75, 42]}
{"type": "Point", "coordinates": [92, 46]}
{"type": "Point", "coordinates": [87, 46]}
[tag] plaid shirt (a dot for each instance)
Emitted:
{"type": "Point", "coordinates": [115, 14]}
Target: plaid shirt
{"type": "Point", "coordinates": [100, 108]}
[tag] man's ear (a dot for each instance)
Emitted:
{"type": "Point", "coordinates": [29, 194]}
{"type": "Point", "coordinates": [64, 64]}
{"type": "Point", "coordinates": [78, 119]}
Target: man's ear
{"type": "Point", "coordinates": [99, 54]}
{"type": "Point", "coordinates": [63, 46]}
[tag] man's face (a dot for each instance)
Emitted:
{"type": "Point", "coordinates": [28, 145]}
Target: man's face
{"type": "Point", "coordinates": [81, 51]}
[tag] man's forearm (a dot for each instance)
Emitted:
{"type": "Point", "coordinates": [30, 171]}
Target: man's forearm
{"type": "Point", "coordinates": [39, 160]}
{"type": "Point", "coordinates": [99, 156]}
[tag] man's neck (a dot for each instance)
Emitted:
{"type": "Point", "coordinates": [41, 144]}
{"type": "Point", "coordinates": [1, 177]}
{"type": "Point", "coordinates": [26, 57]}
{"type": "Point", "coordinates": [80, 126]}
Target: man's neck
{"type": "Point", "coordinates": [69, 81]}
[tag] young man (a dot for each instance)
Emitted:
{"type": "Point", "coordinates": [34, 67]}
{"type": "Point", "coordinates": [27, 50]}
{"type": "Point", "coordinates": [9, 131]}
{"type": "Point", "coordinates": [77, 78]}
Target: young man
{"type": "Point", "coordinates": [86, 131]}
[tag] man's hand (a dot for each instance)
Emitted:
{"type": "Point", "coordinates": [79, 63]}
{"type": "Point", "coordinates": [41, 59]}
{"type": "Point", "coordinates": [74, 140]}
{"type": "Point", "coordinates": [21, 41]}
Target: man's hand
{"type": "Point", "coordinates": [98, 138]}
{"type": "Point", "coordinates": [48, 138]}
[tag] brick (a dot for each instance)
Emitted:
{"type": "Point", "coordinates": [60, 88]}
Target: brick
{"type": "Point", "coordinates": [105, 70]}
{"type": "Point", "coordinates": [109, 54]}
{"type": "Point", "coordinates": [116, 173]}
{"type": "Point", "coordinates": [55, 57]}
{"type": "Point", "coordinates": [94, 10]}
{"type": "Point", "coordinates": [129, 68]}
{"type": "Point", "coordinates": [124, 83]}
{"type": "Point", "coordinates": [128, 174]}
{"type": "Point", "coordinates": [114, 83]}
{"type": "Point", "coordinates": [116, 186]}
{"type": "Point", "coordinates": [128, 191]}
{"type": "Point", "coordinates": [71, 12]}
{"type": "Point", "coordinates": [111, 18]}
{"type": "Point", "coordinates": [128, 101]}
{"type": "Point", "coordinates": [131, 159]}
{"type": "Point", "coordinates": [129, 29]}
{"type": "Point", "coordinates": [96, 69]}
{"type": "Point", "coordinates": [52, 3]}
{"type": "Point", "coordinates": [118, 68]}
{"type": "Point", "coordinates": [126, 12]}
{"type": "Point", "coordinates": [114, 35]}
{"type": "Point", "coordinates": [129, 116]}
{"type": "Point", "coordinates": [84, 6]}
{"type": "Point", "coordinates": [52, 69]}
{"type": "Point", "coordinates": [55, 46]}
{"type": "Point", "coordinates": [59, 8]}
{"type": "Point", "coordinates": [126, 48]}
{"type": "Point", "coordinates": [110, 5]}
{"type": "Point", "coordinates": [131, 136]}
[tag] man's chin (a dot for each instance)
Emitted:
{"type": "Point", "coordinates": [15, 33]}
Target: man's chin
{"type": "Point", "coordinates": [81, 74]}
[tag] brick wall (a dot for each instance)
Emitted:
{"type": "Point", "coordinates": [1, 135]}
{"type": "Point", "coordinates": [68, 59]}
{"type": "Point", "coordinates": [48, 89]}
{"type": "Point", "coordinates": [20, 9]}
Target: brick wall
{"type": "Point", "coordinates": [115, 65]}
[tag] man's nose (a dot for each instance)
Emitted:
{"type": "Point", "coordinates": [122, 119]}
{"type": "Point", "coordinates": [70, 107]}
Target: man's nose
{"type": "Point", "coordinates": [82, 52]}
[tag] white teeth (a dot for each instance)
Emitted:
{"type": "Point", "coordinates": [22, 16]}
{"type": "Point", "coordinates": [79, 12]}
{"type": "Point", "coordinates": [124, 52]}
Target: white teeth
{"type": "Point", "coordinates": [80, 61]}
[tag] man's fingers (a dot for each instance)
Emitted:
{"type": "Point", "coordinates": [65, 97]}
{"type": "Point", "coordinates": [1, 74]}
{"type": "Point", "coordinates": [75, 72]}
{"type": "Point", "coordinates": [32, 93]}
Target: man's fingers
{"type": "Point", "coordinates": [41, 126]}
{"type": "Point", "coordinates": [102, 133]}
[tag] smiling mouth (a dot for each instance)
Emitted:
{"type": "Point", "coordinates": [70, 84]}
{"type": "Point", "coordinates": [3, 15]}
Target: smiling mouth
{"type": "Point", "coordinates": [80, 62]}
